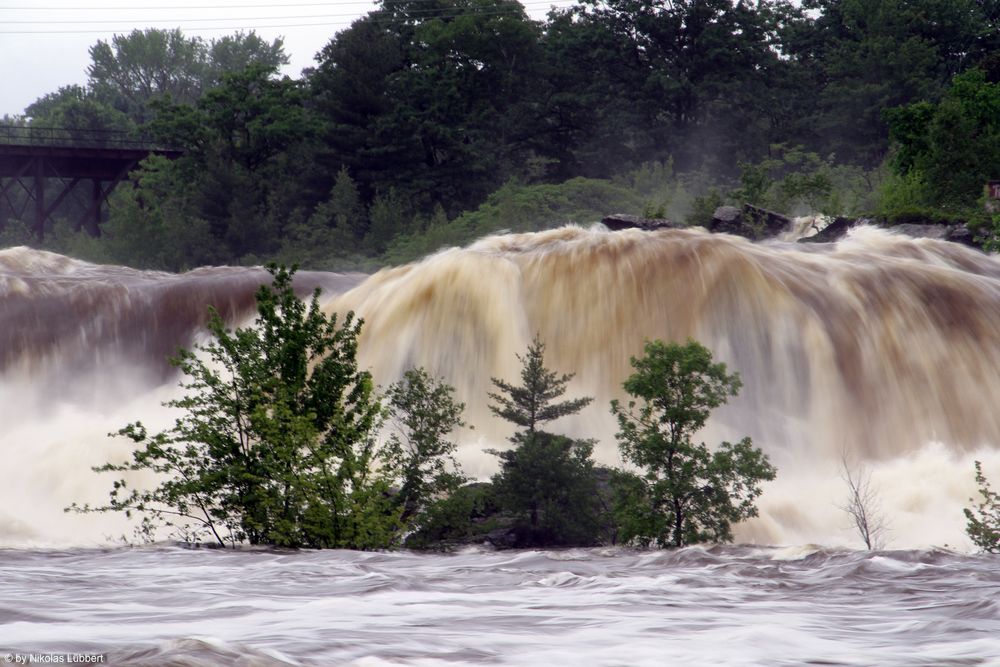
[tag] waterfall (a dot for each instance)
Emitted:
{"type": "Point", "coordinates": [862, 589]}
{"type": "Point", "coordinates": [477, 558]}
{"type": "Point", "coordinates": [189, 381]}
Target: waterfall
{"type": "Point", "coordinates": [880, 348]}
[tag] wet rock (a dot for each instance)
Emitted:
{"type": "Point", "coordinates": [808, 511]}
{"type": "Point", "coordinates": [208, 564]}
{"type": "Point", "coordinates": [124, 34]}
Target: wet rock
{"type": "Point", "coordinates": [619, 221]}
{"type": "Point", "coordinates": [502, 538]}
{"type": "Point", "coordinates": [766, 224]}
{"type": "Point", "coordinates": [752, 222]}
{"type": "Point", "coordinates": [974, 238]}
{"type": "Point", "coordinates": [962, 234]}
{"type": "Point", "coordinates": [727, 220]}
{"type": "Point", "coordinates": [835, 231]}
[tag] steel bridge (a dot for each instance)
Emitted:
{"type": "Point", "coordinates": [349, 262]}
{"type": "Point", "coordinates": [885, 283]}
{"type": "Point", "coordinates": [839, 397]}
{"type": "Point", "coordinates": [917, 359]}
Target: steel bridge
{"type": "Point", "coordinates": [49, 163]}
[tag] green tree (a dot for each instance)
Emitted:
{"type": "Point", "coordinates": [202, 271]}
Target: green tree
{"type": "Point", "coordinates": [156, 225]}
{"type": "Point", "coordinates": [953, 146]}
{"type": "Point", "coordinates": [332, 233]}
{"type": "Point", "coordinates": [132, 71]}
{"type": "Point", "coordinates": [547, 484]}
{"type": "Point", "coordinates": [431, 98]}
{"type": "Point", "coordinates": [344, 210]}
{"type": "Point", "coordinates": [546, 481]}
{"type": "Point", "coordinates": [470, 513]}
{"type": "Point", "coordinates": [701, 80]}
{"type": "Point", "coordinates": [276, 441]}
{"type": "Point", "coordinates": [869, 55]}
{"type": "Point", "coordinates": [685, 493]}
{"type": "Point", "coordinates": [249, 147]}
{"type": "Point", "coordinates": [234, 53]}
{"type": "Point", "coordinates": [983, 525]}
{"type": "Point", "coordinates": [422, 413]}
{"type": "Point", "coordinates": [531, 403]}
{"type": "Point", "coordinates": [387, 217]}
{"type": "Point", "coordinates": [77, 109]}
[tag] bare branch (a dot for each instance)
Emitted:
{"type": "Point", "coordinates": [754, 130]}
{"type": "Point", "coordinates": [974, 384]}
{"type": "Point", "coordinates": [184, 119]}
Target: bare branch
{"type": "Point", "coordinates": [863, 505]}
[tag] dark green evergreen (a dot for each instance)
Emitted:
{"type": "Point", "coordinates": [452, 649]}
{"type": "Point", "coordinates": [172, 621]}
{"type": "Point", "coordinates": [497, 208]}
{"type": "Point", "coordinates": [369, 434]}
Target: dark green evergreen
{"type": "Point", "coordinates": [546, 481]}
{"type": "Point", "coordinates": [530, 403]}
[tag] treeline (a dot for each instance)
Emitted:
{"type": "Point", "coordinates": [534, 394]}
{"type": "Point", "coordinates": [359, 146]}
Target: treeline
{"type": "Point", "coordinates": [428, 122]}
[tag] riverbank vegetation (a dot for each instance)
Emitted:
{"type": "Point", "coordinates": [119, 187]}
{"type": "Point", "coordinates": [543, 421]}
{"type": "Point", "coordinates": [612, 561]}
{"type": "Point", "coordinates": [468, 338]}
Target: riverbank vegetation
{"type": "Point", "coordinates": [282, 440]}
{"type": "Point", "coordinates": [427, 125]}
{"type": "Point", "coordinates": [983, 520]}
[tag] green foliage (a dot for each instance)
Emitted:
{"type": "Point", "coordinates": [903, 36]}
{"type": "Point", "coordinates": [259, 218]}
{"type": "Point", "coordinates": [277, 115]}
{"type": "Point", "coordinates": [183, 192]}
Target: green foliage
{"type": "Point", "coordinates": [530, 404]}
{"type": "Point", "coordinates": [685, 493]}
{"type": "Point", "coordinates": [899, 196]}
{"type": "Point", "coordinates": [504, 123]}
{"type": "Point", "coordinates": [156, 225]}
{"type": "Point", "coordinates": [422, 412]}
{"type": "Point", "coordinates": [703, 208]}
{"type": "Point", "coordinates": [876, 54]}
{"type": "Point", "coordinates": [387, 216]}
{"type": "Point", "coordinates": [133, 71]}
{"type": "Point", "coordinates": [953, 146]}
{"type": "Point", "coordinates": [80, 111]}
{"type": "Point", "coordinates": [983, 520]}
{"type": "Point", "coordinates": [797, 181]}
{"type": "Point", "coordinates": [518, 208]}
{"type": "Point", "coordinates": [247, 144]}
{"type": "Point", "coordinates": [275, 444]}
{"type": "Point", "coordinates": [546, 482]}
{"type": "Point", "coordinates": [470, 513]}
{"type": "Point", "coordinates": [333, 232]}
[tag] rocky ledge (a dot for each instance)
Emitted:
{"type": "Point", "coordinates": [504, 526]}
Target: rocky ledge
{"type": "Point", "coordinates": [755, 223]}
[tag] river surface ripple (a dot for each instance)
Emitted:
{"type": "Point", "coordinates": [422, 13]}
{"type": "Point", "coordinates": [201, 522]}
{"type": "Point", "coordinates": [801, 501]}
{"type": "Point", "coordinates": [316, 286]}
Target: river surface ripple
{"type": "Point", "coordinates": [168, 605]}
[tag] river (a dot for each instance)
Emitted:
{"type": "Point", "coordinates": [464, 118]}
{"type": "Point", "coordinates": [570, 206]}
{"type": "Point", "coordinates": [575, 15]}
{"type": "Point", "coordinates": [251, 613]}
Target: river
{"type": "Point", "coordinates": [164, 605]}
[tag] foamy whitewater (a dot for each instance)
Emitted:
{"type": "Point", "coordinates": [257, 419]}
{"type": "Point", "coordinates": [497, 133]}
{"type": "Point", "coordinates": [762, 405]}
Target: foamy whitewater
{"type": "Point", "coordinates": [730, 606]}
{"type": "Point", "coordinates": [880, 348]}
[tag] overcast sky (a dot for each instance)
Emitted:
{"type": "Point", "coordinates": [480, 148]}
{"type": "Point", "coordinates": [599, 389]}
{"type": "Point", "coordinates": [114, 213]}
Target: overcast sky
{"type": "Point", "coordinates": [44, 43]}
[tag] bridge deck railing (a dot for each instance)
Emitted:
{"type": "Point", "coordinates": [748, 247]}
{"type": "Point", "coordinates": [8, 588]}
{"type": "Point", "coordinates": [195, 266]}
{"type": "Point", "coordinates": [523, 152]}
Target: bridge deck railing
{"type": "Point", "coordinates": [32, 135]}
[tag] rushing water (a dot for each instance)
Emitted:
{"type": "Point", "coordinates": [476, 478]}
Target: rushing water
{"type": "Point", "coordinates": [724, 606]}
{"type": "Point", "coordinates": [880, 348]}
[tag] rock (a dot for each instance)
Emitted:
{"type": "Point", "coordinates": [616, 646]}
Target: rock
{"type": "Point", "coordinates": [750, 222]}
{"type": "Point", "coordinates": [501, 538]}
{"type": "Point", "coordinates": [962, 234]}
{"type": "Point", "coordinates": [726, 214]}
{"type": "Point", "coordinates": [835, 231]}
{"type": "Point", "coordinates": [766, 224]}
{"type": "Point", "coordinates": [619, 221]}
{"type": "Point", "coordinates": [921, 231]}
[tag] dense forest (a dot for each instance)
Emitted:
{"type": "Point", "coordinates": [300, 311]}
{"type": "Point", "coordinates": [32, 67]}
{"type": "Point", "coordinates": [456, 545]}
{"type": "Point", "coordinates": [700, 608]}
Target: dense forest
{"type": "Point", "coordinates": [428, 123]}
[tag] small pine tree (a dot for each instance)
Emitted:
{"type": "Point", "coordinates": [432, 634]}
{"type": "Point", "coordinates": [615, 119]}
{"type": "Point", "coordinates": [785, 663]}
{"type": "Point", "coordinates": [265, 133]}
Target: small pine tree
{"type": "Point", "coordinates": [546, 482]}
{"type": "Point", "coordinates": [531, 403]}
{"type": "Point", "coordinates": [345, 210]}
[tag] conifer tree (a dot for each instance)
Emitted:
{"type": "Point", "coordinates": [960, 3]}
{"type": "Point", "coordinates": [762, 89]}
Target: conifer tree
{"type": "Point", "coordinates": [546, 481]}
{"type": "Point", "coordinates": [531, 403]}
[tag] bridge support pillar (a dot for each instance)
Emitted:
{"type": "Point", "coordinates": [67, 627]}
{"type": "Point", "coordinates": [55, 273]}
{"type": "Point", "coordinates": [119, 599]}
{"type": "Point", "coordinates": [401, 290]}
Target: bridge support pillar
{"type": "Point", "coordinates": [40, 213]}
